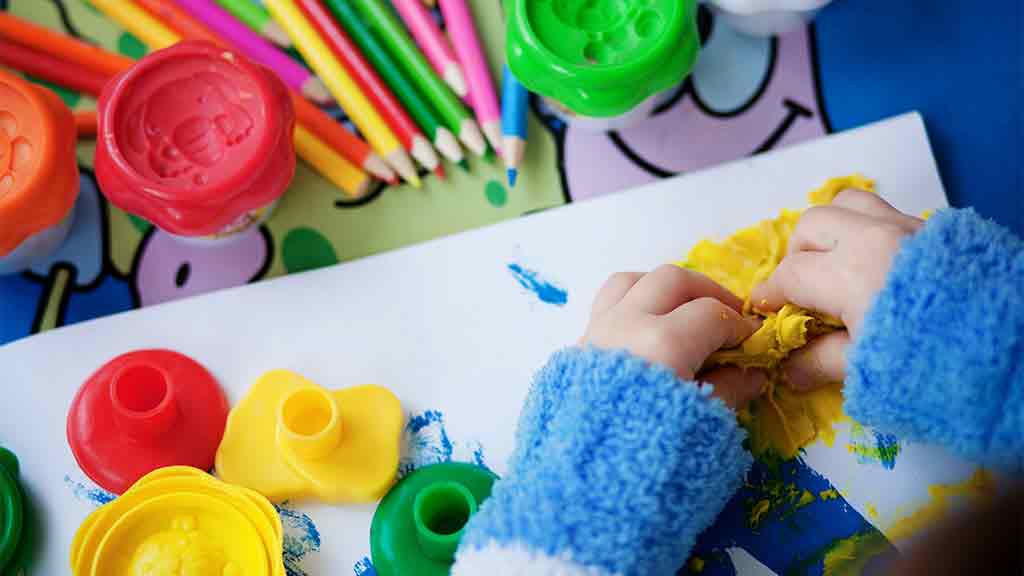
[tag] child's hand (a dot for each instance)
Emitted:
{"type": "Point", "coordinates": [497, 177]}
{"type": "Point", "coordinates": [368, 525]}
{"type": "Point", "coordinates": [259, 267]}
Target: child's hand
{"type": "Point", "coordinates": [838, 259]}
{"type": "Point", "coordinates": [677, 318]}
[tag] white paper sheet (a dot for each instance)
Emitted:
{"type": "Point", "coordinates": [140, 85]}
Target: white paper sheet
{"type": "Point", "coordinates": [447, 326]}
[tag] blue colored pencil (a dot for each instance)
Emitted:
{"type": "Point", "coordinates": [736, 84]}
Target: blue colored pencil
{"type": "Point", "coordinates": [514, 107]}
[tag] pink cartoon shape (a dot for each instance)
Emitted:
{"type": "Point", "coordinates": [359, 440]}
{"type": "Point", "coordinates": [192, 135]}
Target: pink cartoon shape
{"type": "Point", "coordinates": [746, 95]}
{"type": "Point", "coordinates": [187, 125]}
{"type": "Point", "coordinates": [170, 268]}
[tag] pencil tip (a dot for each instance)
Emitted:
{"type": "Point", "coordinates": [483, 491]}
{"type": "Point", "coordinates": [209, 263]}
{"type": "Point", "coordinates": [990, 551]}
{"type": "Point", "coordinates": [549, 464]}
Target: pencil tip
{"type": "Point", "coordinates": [464, 164]}
{"type": "Point", "coordinates": [513, 175]}
{"type": "Point", "coordinates": [439, 171]}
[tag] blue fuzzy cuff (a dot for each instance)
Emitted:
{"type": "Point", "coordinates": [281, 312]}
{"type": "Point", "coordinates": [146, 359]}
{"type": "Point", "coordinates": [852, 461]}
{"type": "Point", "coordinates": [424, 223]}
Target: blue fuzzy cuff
{"type": "Point", "coordinates": [941, 355]}
{"type": "Point", "coordinates": [619, 465]}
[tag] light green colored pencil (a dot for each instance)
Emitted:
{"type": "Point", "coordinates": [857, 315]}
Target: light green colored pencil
{"type": "Point", "coordinates": [379, 17]}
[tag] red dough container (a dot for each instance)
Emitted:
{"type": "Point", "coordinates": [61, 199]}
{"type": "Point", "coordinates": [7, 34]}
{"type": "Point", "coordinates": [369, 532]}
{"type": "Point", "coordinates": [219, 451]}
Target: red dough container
{"type": "Point", "coordinates": [197, 140]}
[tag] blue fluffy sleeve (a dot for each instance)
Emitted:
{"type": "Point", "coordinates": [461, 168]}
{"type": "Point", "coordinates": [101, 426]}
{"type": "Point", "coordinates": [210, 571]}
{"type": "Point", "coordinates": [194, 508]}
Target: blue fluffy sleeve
{"type": "Point", "coordinates": [941, 354]}
{"type": "Point", "coordinates": [618, 466]}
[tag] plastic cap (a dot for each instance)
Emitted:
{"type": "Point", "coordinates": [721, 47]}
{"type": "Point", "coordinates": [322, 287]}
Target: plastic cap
{"type": "Point", "coordinates": [418, 525]}
{"type": "Point", "coordinates": [601, 58]}
{"type": "Point", "coordinates": [194, 138]}
{"type": "Point", "coordinates": [142, 411]}
{"type": "Point", "coordinates": [38, 170]}
{"type": "Point", "coordinates": [11, 509]}
{"type": "Point", "coordinates": [289, 438]}
{"type": "Point", "coordinates": [181, 520]}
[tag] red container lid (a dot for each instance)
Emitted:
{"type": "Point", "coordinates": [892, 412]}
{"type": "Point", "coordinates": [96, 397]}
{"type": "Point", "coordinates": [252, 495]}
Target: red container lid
{"type": "Point", "coordinates": [142, 411]}
{"type": "Point", "coordinates": [194, 137]}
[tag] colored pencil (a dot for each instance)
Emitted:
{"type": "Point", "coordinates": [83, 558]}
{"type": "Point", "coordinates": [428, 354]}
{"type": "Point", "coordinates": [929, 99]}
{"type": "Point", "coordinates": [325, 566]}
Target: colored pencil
{"type": "Point", "coordinates": [158, 35]}
{"type": "Point", "coordinates": [312, 118]}
{"type": "Point", "coordinates": [387, 27]}
{"type": "Point", "coordinates": [258, 19]}
{"type": "Point", "coordinates": [514, 108]}
{"type": "Point", "coordinates": [391, 71]}
{"type": "Point", "coordinates": [459, 20]}
{"type": "Point", "coordinates": [378, 92]}
{"type": "Point", "coordinates": [342, 173]}
{"type": "Point", "coordinates": [85, 124]}
{"type": "Point", "coordinates": [343, 87]}
{"type": "Point", "coordinates": [59, 45]}
{"type": "Point", "coordinates": [433, 42]}
{"type": "Point", "coordinates": [51, 68]}
{"type": "Point", "coordinates": [220, 22]}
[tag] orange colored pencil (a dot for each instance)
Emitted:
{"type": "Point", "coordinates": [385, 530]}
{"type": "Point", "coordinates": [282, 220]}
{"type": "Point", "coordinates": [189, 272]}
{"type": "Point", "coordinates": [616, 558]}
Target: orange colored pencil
{"type": "Point", "coordinates": [51, 68]}
{"type": "Point", "coordinates": [45, 40]}
{"type": "Point", "coordinates": [332, 133]}
{"type": "Point", "coordinates": [85, 123]}
{"type": "Point", "coordinates": [182, 22]}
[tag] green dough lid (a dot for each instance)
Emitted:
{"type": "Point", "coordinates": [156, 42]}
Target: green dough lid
{"type": "Point", "coordinates": [418, 524]}
{"type": "Point", "coordinates": [601, 58]}
{"type": "Point", "coordinates": [10, 507]}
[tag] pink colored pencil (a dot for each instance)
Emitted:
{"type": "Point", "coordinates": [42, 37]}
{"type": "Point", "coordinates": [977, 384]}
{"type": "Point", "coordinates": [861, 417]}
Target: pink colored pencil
{"type": "Point", "coordinates": [462, 30]}
{"type": "Point", "coordinates": [433, 43]}
{"type": "Point", "coordinates": [259, 49]}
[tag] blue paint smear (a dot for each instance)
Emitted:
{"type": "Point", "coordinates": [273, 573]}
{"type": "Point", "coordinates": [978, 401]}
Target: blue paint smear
{"type": "Point", "coordinates": [790, 542]}
{"type": "Point", "coordinates": [364, 568]}
{"type": "Point", "coordinates": [888, 446]}
{"type": "Point", "coordinates": [88, 493]}
{"type": "Point", "coordinates": [427, 442]}
{"type": "Point", "coordinates": [300, 538]}
{"type": "Point", "coordinates": [544, 289]}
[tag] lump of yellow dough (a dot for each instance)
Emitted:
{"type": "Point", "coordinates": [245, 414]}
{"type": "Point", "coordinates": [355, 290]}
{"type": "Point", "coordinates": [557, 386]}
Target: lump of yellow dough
{"type": "Point", "coordinates": [290, 439]}
{"type": "Point", "coordinates": [782, 421]}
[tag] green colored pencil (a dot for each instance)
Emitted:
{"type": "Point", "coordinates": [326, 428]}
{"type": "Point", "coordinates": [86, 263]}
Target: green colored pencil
{"type": "Point", "coordinates": [379, 17]}
{"type": "Point", "coordinates": [256, 17]}
{"type": "Point", "coordinates": [391, 72]}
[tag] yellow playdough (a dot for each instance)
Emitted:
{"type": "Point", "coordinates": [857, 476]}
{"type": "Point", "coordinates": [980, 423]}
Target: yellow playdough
{"type": "Point", "coordinates": [176, 521]}
{"type": "Point", "coordinates": [290, 438]}
{"type": "Point", "coordinates": [782, 420]}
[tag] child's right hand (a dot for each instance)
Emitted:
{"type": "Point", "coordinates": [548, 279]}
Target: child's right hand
{"type": "Point", "coordinates": [837, 261]}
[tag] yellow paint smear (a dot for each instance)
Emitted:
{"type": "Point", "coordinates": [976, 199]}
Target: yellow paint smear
{"type": "Point", "coordinates": [979, 488]}
{"type": "Point", "coordinates": [851, 555]}
{"type": "Point", "coordinates": [830, 494]}
{"type": "Point", "coordinates": [782, 421]}
{"type": "Point", "coordinates": [696, 564]}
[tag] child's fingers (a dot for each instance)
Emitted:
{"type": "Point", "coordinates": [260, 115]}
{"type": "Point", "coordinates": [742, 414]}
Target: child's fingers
{"type": "Point", "coordinates": [669, 286]}
{"type": "Point", "coordinates": [736, 386]}
{"type": "Point", "coordinates": [873, 205]}
{"type": "Point", "coordinates": [805, 279]}
{"type": "Point", "coordinates": [703, 326]}
{"type": "Point", "coordinates": [822, 228]}
{"type": "Point", "coordinates": [614, 289]}
{"type": "Point", "coordinates": [821, 362]}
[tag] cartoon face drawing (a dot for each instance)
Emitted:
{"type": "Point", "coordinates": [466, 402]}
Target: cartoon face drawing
{"type": "Point", "coordinates": [744, 96]}
{"type": "Point", "coordinates": [187, 125]}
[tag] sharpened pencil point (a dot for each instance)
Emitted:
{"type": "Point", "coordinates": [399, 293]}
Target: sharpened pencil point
{"type": "Point", "coordinates": [439, 171]}
{"type": "Point", "coordinates": [513, 175]}
{"type": "Point", "coordinates": [464, 164]}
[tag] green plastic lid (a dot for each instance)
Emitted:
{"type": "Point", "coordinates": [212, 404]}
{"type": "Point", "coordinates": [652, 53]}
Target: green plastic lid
{"type": "Point", "coordinates": [10, 507]}
{"type": "Point", "coordinates": [418, 524]}
{"type": "Point", "coordinates": [601, 58]}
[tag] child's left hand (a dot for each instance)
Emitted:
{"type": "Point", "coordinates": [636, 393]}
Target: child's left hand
{"type": "Point", "coordinates": [677, 318]}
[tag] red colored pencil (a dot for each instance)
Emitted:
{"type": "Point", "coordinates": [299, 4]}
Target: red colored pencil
{"type": "Point", "coordinates": [376, 90]}
{"type": "Point", "coordinates": [51, 68]}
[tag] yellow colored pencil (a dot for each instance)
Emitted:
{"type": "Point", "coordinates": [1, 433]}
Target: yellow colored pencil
{"type": "Point", "coordinates": [140, 23]}
{"type": "Point", "coordinates": [331, 165]}
{"type": "Point", "coordinates": [343, 87]}
{"type": "Point", "coordinates": [155, 34]}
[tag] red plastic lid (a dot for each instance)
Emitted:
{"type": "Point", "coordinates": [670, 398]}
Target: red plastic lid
{"type": "Point", "coordinates": [142, 411]}
{"type": "Point", "coordinates": [194, 137]}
